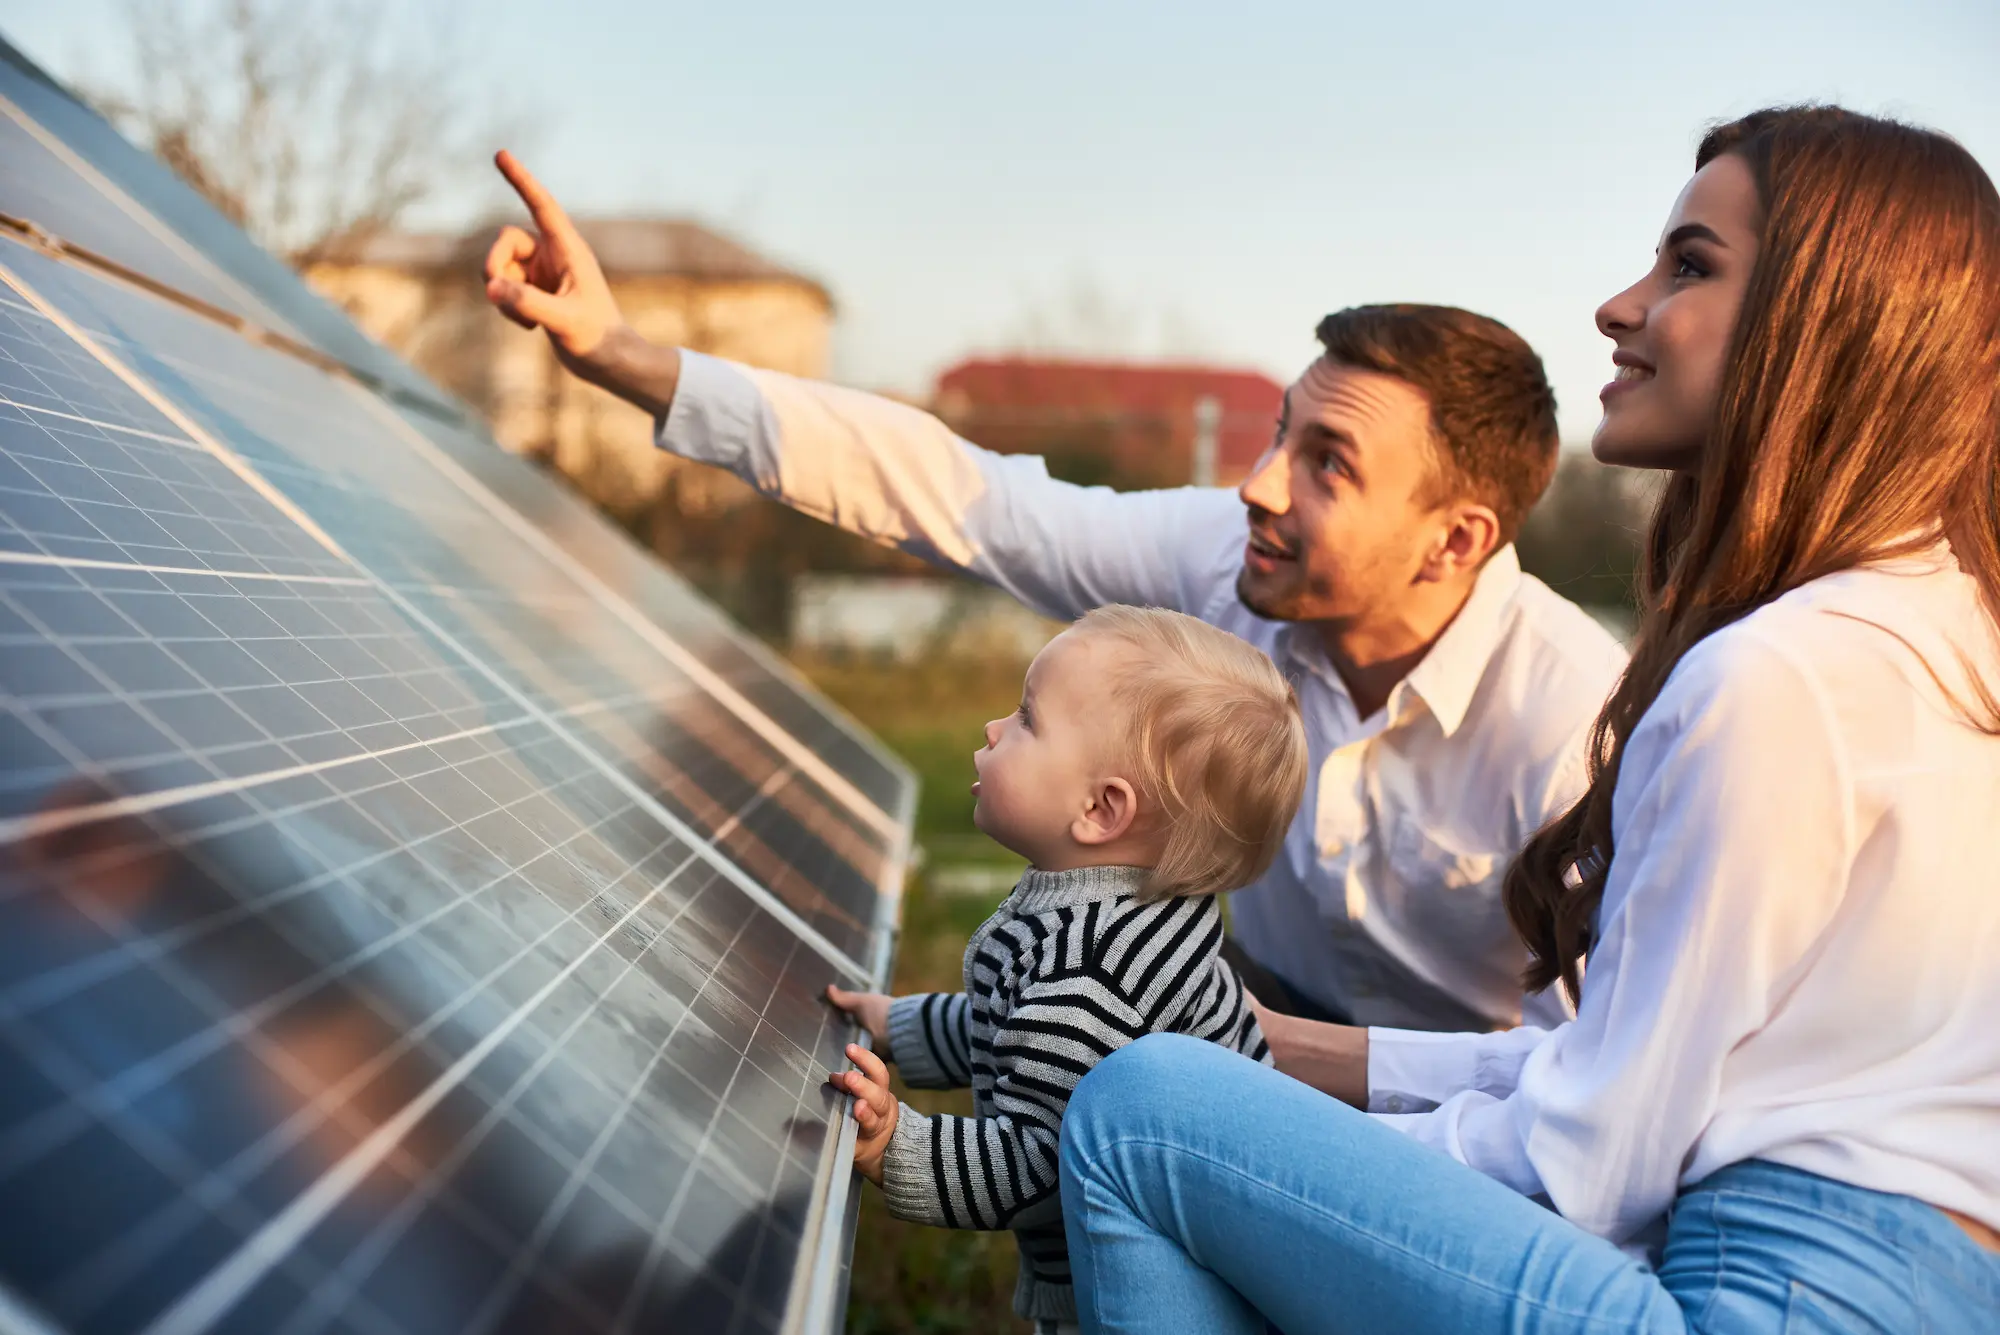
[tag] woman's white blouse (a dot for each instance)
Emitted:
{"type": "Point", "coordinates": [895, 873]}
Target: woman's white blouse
{"type": "Point", "coordinates": [1799, 948]}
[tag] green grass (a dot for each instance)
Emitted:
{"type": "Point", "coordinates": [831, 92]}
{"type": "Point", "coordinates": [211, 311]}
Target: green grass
{"type": "Point", "coordinates": [909, 1279]}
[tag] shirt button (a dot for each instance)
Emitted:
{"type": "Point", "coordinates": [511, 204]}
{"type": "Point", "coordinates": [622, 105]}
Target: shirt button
{"type": "Point", "coordinates": [1394, 1103]}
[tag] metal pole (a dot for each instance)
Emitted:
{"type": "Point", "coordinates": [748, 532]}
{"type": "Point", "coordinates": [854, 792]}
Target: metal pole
{"type": "Point", "coordinates": [1207, 439]}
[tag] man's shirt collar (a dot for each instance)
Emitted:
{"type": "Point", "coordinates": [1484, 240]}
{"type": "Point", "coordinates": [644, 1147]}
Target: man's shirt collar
{"type": "Point", "coordinates": [1449, 674]}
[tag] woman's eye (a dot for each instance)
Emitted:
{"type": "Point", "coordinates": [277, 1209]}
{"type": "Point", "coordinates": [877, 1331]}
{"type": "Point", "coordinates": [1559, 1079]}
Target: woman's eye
{"type": "Point", "coordinates": [1022, 714]}
{"type": "Point", "coordinates": [1687, 266]}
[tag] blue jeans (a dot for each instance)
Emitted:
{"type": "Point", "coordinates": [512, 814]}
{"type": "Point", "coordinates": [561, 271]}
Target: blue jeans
{"type": "Point", "coordinates": [1205, 1193]}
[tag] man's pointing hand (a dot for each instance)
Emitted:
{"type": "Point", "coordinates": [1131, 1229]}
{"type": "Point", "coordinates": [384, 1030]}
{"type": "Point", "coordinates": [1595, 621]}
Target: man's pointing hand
{"type": "Point", "coordinates": [548, 278]}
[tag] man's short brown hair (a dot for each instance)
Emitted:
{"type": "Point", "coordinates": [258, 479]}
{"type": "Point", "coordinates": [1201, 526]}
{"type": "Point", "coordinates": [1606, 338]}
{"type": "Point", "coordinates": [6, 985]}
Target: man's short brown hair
{"type": "Point", "coordinates": [1493, 415]}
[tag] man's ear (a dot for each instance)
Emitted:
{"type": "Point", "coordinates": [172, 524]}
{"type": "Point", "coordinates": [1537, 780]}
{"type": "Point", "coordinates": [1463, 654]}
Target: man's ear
{"type": "Point", "coordinates": [1469, 533]}
{"type": "Point", "coordinates": [1112, 809]}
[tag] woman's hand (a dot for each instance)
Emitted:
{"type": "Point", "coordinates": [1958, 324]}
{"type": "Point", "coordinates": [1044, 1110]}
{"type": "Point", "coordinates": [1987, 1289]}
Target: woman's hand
{"type": "Point", "coordinates": [871, 1011]}
{"type": "Point", "coordinates": [874, 1109]}
{"type": "Point", "coordinates": [1332, 1058]}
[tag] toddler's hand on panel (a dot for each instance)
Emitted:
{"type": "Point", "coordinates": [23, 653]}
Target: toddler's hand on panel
{"type": "Point", "coordinates": [874, 1108]}
{"type": "Point", "coordinates": [871, 1011]}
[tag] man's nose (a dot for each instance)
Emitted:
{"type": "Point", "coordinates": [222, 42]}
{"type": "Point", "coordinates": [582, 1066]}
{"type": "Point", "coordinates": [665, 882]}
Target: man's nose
{"type": "Point", "coordinates": [1268, 486]}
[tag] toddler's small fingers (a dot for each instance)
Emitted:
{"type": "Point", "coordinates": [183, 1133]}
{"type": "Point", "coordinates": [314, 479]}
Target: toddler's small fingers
{"type": "Point", "coordinates": [870, 1064]}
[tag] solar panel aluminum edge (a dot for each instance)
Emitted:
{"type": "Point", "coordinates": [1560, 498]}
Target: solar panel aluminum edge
{"type": "Point", "coordinates": [823, 1048]}
{"type": "Point", "coordinates": [531, 758]}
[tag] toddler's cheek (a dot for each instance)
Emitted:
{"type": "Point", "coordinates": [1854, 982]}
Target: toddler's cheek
{"type": "Point", "coordinates": [993, 812]}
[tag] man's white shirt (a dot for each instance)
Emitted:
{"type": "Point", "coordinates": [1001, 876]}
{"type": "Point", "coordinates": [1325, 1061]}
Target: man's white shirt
{"type": "Point", "coordinates": [1385, 901]}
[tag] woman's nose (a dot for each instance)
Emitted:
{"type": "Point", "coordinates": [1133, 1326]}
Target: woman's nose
{"type": "Point", "coordinates": [993, 733]}
{"type": "Point", "coordinates": [1622, 314]}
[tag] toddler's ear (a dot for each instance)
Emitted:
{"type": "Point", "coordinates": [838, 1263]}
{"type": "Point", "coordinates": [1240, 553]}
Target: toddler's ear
{"type": "Point", "coordinates": [1111, 812]}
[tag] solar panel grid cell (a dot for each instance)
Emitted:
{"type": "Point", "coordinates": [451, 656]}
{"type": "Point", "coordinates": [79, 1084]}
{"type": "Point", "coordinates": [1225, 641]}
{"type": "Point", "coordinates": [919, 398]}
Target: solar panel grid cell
{"type": "Point", "coordinates": [327, 1011]}
{"type": "Point", "coordinates": [695, 625]}
{"type": "Point", "coordinates": [398, 931]}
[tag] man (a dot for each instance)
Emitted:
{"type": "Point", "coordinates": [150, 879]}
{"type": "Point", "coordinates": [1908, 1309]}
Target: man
{"type": "Point", "coordinates": [1447, 696]}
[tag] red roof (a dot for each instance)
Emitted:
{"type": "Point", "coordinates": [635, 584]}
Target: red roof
{"type": "Point", "coordinates": [1011, 396]}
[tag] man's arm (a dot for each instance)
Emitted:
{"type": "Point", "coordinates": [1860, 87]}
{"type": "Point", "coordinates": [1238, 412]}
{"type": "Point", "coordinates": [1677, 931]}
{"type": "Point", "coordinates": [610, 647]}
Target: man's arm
{"type": "Point", "coordinates": [880, 469]}
{"type": "Point", "coordinates": [898, 476]}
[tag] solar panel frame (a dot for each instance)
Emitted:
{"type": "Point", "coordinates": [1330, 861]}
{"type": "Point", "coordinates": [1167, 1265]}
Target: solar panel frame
{"type": "Point", "coordinates": [831, 1160]}
{"type": "Point", "coordinates": [618, 582]}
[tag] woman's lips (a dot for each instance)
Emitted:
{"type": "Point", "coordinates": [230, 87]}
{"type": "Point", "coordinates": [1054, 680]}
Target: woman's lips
{"type": "Point", "coordinates": [1632, 370]}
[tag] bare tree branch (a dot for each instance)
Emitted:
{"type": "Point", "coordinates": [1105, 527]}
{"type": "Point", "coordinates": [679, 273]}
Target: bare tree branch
{"type": "Point", "coordinates": [314, 124]}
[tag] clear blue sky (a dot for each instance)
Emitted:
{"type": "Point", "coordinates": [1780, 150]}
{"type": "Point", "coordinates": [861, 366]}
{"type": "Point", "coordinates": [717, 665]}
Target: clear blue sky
{"type": "Point", "coordinates": [1194, 179]}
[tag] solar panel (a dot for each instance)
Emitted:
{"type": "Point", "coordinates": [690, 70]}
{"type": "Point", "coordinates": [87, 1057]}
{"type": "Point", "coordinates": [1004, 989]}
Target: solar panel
{"type": "Point", "coordinates": [140, 204]}
{"type": "Point", "coordinates": [414, 903]}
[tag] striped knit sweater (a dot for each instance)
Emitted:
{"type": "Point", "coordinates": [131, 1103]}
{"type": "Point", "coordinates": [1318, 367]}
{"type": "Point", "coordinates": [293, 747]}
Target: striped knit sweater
{"type": "Point", "coordinates": [1070, 967]}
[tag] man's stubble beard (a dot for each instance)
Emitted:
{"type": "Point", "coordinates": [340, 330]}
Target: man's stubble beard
{"type": "Point", "coordinates": [1287, 606]}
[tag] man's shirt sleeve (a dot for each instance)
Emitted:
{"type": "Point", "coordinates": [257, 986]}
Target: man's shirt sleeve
{"type": "Point", "coordinates": [898, 476]}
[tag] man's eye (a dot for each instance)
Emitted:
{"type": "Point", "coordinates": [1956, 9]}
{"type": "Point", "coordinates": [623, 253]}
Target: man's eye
{"type": "Point", "coordinates": [1329, 462]}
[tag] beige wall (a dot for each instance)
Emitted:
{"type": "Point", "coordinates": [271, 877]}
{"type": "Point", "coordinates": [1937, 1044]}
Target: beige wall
{"type": "Point", "coordinates": [439, 320]}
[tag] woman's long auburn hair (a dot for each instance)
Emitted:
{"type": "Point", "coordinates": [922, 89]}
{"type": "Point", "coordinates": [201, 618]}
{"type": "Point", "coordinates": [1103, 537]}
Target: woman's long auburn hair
{"type": "Point", "coordinates": [1858, 418]}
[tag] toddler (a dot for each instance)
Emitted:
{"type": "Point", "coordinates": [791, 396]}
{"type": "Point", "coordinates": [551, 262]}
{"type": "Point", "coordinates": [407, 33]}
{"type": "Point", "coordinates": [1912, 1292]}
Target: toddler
{"type": "Point", "coordinates": [1154, 763]}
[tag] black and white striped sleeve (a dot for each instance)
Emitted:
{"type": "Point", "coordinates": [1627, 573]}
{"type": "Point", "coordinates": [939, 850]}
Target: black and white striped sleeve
{"type": "Point", "coordinates": [983, 1172]}
{"type": "Point", "coordinates": [930, 1039]}
{"type": "Point", "coordinates": [1220, 1013]}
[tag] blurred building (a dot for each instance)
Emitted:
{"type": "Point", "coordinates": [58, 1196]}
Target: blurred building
{"type": "Point", "coordinates": [676, 281]}
{"type": "Point", "coordinates": [911, 618]}
{"type": "Point", "coordinates": [1120, 423]}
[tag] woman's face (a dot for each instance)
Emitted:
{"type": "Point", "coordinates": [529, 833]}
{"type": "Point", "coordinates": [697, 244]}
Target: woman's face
{"type": "Point", "coordinates": [1672, 327]}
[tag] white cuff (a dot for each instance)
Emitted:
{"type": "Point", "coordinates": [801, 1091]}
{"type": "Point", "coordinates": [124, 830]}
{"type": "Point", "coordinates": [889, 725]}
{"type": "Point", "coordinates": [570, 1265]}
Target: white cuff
{"type": "Point", "coordinates": [717, 416]}
{"type": "Point", "coordinates": [1410, 1071]}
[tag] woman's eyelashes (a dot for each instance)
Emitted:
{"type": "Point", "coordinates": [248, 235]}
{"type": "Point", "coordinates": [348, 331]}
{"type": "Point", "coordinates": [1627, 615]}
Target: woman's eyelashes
{"type": "Point", "coordinates": [1022, 714]}
{"type": "Point", "coordinates": [1687, 264]}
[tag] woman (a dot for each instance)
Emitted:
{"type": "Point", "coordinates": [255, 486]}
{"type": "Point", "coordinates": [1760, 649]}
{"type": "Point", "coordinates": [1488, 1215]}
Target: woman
{"type": "Point", "coordinates": [1782, 1087]}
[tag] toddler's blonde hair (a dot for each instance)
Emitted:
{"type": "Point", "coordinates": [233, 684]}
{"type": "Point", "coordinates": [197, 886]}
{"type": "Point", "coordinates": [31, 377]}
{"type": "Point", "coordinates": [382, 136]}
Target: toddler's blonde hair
{"type": "Point", "coordinates": [1216, 738]}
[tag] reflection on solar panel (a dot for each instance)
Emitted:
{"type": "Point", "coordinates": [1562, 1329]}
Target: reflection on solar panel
{"type": "Point", "coordinates": [414, 901]}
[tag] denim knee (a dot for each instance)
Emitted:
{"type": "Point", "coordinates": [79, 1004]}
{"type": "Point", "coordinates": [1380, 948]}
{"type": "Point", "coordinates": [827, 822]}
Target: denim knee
{"type": "Point", "coordinates": [1113, 1091]}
